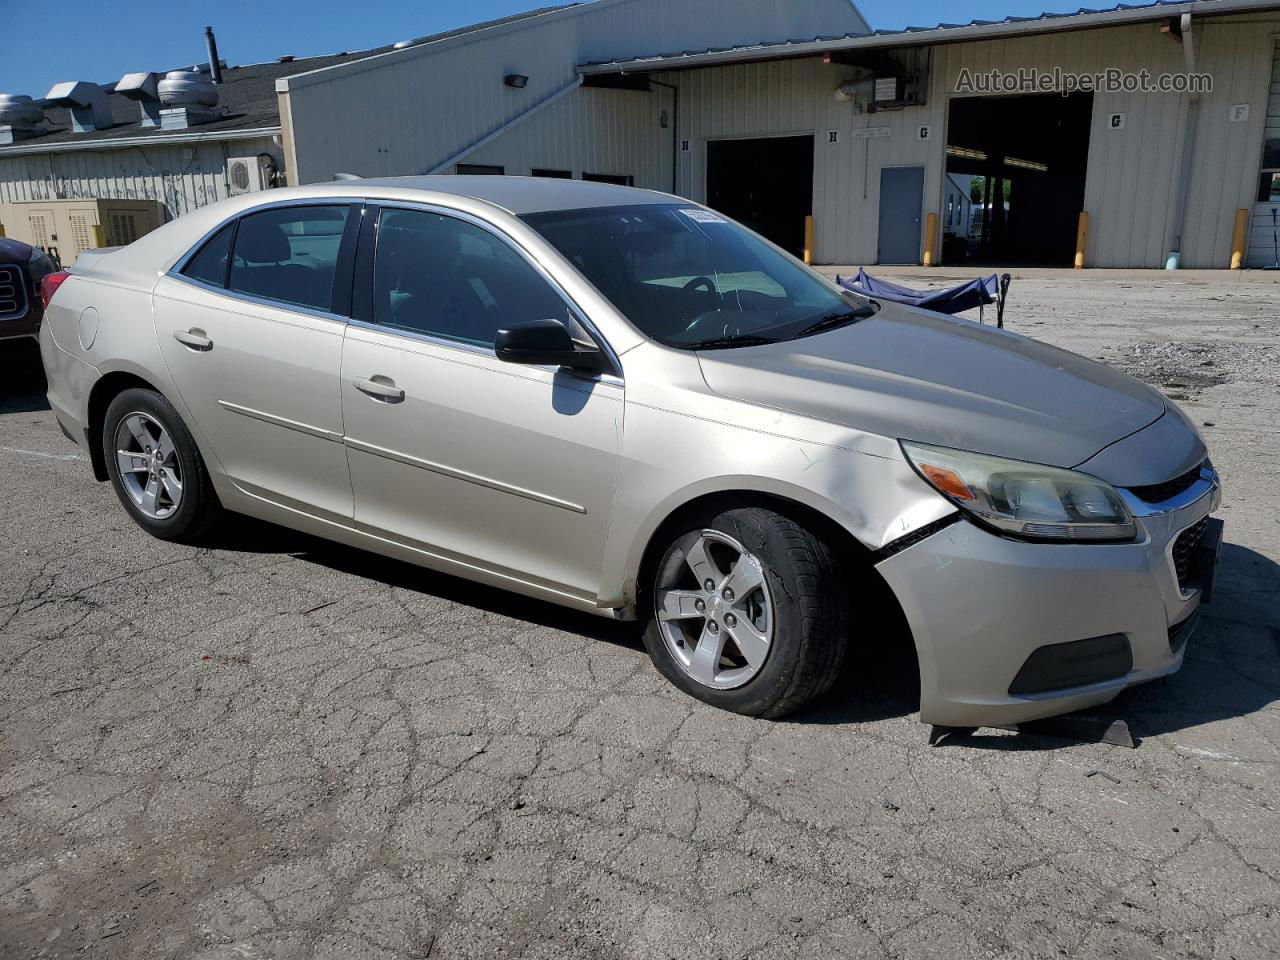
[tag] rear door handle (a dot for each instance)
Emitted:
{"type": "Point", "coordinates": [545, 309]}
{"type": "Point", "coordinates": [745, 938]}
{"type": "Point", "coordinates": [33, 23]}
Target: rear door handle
{"type": "Point", "coordinates": [380, 388]}
{"type": "Point", "coordinates": [193, 338]}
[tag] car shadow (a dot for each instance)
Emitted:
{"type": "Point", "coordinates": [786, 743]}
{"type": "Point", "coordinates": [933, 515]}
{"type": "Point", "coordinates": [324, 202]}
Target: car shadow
{"type": "Point", "coordinates": [22, 383]}
{"type": "Point", "coordinates": [1232, 665]}
{"type": "Point", "coordinates": [254, 536]}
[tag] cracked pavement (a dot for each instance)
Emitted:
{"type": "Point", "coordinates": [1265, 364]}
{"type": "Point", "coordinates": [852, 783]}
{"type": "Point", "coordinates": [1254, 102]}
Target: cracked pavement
{"type": "Point", "coordinates": [280, 748]}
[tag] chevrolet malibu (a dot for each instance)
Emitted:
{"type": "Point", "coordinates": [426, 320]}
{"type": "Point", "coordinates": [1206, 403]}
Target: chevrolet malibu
{"type": "Point", "coordinates": [623, 402]}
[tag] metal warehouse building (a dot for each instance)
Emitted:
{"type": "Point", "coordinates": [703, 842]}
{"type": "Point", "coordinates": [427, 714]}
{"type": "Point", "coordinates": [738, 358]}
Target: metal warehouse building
{"type": "Point", "coordinates": [777, 113]}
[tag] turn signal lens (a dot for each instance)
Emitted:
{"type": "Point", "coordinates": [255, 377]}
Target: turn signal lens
{"type": "Point", "coordinates": [946, 481]}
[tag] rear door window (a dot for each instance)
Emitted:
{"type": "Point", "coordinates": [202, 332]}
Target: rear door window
{"type": "Point", "coordinates": [289, 254]}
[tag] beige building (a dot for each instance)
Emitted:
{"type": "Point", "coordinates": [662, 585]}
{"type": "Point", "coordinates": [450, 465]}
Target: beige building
{"type": "Point", "coordinates": [861, 131]}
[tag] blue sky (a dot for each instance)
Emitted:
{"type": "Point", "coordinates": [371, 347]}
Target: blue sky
{"type": "Point", "coordinates": [101, 39]}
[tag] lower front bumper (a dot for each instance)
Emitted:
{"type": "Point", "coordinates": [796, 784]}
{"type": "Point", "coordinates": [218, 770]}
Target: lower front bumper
{"type": "Point", "coordinates": [980, 605]}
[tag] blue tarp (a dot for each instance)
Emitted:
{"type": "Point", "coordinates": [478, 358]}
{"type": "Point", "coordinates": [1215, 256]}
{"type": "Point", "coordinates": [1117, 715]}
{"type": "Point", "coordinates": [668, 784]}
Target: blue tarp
{"type": "Point", "coordinates": [975, 293]}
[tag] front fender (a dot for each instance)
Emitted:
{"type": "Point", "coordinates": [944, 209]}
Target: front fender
{"type": "Point", "coordinates": [670, 460]}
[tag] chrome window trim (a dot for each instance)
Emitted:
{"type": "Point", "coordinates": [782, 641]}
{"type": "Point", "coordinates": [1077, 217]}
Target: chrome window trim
{"type": "Point", "coordinates": [465, 216]}
{"type": "Point", "coordinates": [1205, 486]}
{"type": "Point", "coordinates": [250, 299]}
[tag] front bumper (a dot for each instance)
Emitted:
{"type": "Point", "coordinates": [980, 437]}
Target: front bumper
{"type": "Point", "coordinates": [980, 605]}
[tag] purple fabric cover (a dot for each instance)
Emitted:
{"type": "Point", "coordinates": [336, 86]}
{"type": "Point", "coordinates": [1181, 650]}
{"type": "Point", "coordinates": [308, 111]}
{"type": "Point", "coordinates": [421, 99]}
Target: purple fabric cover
{"type": "Point", "coordinates": [966, 296]}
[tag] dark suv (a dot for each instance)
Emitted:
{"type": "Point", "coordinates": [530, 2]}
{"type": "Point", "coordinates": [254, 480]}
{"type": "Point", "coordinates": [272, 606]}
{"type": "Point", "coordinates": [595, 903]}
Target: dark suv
{"type": "Point", "coordinates": [21, 269]}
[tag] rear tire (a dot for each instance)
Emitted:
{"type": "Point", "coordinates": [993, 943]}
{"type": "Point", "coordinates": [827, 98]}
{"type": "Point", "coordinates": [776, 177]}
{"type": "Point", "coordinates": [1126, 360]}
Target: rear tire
{"type": "Point", "coordinates": [746, 610]}
{"type": "Point", "coordinates": [156, 469]}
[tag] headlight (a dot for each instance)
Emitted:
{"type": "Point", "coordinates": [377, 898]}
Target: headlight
{"type": "Point", "coordinates": [1024, 499]}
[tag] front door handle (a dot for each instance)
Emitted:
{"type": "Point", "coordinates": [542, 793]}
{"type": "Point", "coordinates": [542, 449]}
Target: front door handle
{"type": "Point", "coordinates": [194, 338]}
{"type": "Point", "coordinates": [380, 388]}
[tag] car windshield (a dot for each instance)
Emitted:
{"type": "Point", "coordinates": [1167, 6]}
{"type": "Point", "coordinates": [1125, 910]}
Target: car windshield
{"type": "Point", "coordinates": [690, 278]}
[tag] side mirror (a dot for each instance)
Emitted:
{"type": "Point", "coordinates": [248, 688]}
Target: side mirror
{"type": "Point", "coordinates": [546, 342]}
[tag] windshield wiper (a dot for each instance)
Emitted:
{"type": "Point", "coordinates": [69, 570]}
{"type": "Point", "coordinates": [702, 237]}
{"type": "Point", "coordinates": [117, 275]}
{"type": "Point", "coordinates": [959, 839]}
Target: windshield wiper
{"type": "Point", "coordinates": [733, 340]}
{"type": "Point", "coordinates": [840, 319]}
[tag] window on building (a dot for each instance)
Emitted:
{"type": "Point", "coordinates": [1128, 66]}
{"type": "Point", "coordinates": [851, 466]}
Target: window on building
{"type": "Point", "coordinates": [553, 174]}
{"type": "Point", "coordinates": [621, 179]}
{"type": "Point", "coordinates": [1269, 187]}
{"type": "Point", "coordinates": [289, 254]}
{"type": "Point", "coordinates": [210, 264]}
{"type": "Point", "coordinates": [444, 277]}
{"type": "Point", "coordinates": [1269, 179]}
{"type": "Point", "coordinates": [481, 169]}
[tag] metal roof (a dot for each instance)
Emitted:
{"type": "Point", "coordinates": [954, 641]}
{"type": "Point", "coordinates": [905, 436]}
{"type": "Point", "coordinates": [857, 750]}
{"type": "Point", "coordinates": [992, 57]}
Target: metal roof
{"type": "Point", "coordinates": [1082, 19]}
{"type": "Point", "coordinates": [246, 97]}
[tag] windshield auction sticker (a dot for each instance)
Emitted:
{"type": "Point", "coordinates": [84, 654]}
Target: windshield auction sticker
{"type": "Point", "coordinates": [702, 216]}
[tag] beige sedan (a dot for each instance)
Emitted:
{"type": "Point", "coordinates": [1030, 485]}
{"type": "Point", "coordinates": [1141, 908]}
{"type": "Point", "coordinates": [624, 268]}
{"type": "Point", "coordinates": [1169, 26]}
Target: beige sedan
{"type": "Point", "coordinates": [623, 402]}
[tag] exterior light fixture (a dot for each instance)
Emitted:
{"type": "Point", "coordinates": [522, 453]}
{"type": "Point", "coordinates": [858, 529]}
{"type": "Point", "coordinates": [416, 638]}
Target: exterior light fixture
{"type": "Point", "coordinates": [516, 80]}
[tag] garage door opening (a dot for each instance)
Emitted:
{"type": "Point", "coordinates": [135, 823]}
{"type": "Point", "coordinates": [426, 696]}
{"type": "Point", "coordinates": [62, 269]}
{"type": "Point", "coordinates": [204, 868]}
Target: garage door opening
{"type": "Point", "coordinates": [766, 183]}
{"type": "Point", "coordinates": [1023, 162]}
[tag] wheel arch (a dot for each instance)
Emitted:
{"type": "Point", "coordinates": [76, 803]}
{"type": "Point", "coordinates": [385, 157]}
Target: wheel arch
{"type": "Point", "coordinates": [826, 519]}
{"type": "Point", "coordinates": [880, 610]}
{"type": "Point", "coordinates": [107, 387]}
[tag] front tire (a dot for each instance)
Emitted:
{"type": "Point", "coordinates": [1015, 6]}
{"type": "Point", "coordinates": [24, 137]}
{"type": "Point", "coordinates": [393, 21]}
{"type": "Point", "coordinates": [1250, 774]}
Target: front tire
{"type": "Point", "coordinates": [746, 611]}
{"type": "Point", "coordinates": [156, 469]}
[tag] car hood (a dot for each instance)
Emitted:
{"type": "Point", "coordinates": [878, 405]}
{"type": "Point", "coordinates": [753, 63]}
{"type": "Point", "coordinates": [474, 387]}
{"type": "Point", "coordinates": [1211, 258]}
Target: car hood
{"type": "Point", "coordinates": [910, 374]}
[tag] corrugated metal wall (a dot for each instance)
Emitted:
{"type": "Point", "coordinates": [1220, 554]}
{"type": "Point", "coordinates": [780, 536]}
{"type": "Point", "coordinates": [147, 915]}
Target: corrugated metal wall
{"type": "Point", "coordinates": [1264, 231]}
{"type": "Point", "coordinates": [1132, 172]}
{"type": "Point", "coordinates": [408, 111]}
{"type": "Point", "coordinates": [181, 177]}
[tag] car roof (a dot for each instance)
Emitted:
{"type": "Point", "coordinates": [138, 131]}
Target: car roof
{"type": "Point", "coordinates": [517, 195]}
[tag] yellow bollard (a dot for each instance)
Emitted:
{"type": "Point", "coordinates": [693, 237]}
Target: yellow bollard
{"type": "Point", "coordinates": [99, 233]}
{"type": "Point", "coordinates": [1237, 238]}
{"type": "Point", "coordinates": [808, 239]}
{"type": "Point", "coordinates": [930, 239]}
{"type": "Point", "coordinates": [1082, 234]}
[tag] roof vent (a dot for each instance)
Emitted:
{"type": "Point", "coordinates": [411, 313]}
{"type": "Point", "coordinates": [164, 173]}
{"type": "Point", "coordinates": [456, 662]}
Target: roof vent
{"type": "Point", "coordinates": [142, 88]}
{"type": "Point", "coordinates": [20, 118]}
{"type": "Point", "coordinates": [187, 98]}
{"type": "Point", "coordinates": [401, 44]}
{"type": "Point", "coordinates": [87, 103]}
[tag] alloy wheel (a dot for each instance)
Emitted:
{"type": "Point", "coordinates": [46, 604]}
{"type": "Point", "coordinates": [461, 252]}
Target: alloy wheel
{"type": "Point", "coordinates": [714, 609]}
{"type": "Point", "coordinates": [150, 471]}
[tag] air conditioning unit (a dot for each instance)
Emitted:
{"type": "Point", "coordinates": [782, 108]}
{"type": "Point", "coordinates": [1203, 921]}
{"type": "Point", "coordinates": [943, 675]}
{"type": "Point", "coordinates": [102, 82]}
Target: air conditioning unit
{"type": "Point", "coordinates": [66, 227]}
{"type": "Point", "coordinates": [245, 175]}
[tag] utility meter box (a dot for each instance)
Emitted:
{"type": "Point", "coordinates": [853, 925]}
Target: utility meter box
{"type": "Point", "coordinates": [65, 227]}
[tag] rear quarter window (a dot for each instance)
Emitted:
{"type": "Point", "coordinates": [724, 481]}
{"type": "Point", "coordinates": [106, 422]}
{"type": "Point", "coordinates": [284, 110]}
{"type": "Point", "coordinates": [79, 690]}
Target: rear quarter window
{"type": "Point", "coordinates": [209, 265]}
